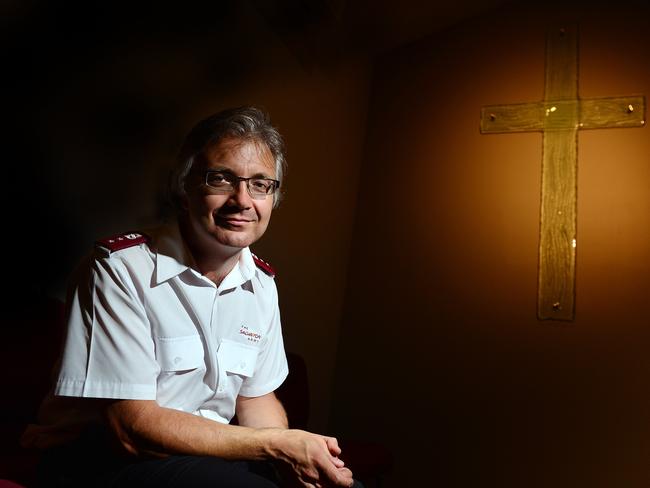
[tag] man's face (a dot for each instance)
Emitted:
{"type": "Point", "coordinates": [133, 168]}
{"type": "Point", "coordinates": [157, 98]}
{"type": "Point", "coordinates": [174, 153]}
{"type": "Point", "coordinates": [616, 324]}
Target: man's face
{"type": "Point", "coordinates": [235, 220]}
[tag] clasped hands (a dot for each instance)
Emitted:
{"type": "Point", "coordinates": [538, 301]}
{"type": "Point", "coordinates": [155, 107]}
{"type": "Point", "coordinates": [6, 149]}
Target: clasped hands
{"type": "Point", "coordinates": [311, 460]}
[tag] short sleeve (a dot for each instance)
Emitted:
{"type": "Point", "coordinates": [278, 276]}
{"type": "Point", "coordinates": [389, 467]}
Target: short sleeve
{"type": "Point", "coordinates": [108, 350]}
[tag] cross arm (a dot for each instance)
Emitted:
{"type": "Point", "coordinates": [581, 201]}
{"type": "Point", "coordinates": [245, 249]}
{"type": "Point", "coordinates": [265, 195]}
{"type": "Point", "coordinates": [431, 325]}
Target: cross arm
{"type": "Point", "coordinates": [600, 113]}
{"type": "Point", "coordinates": [515, 117]}
{"type": "Point", "coordinates": [587, 113]}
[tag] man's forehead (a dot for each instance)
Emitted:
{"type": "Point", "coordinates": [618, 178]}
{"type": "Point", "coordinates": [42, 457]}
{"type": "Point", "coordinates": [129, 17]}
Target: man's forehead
{"type": "Point", "coordinates": [244, 151]}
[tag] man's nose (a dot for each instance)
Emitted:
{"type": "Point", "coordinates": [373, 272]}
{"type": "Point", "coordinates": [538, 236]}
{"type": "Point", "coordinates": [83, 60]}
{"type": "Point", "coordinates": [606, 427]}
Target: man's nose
{"type": "Point", "coordinates": [240, 195]}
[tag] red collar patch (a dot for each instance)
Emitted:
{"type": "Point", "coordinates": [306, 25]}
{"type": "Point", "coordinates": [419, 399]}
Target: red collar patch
{"type": "Point", "coordinates": [264, 266]}
{"type": "Point", "coordinates": [122, 241]}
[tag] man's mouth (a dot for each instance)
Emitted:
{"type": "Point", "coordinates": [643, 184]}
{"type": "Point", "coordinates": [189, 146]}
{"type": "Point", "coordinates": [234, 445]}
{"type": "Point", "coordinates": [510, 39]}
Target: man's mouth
{"type": "Point", "coordinates": [232, 220]}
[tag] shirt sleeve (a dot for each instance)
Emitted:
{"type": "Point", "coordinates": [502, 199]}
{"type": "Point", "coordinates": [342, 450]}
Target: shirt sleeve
{"type": "Point", "coordinates": [108, 351]}
{"type": "Point", "coordinates": [271, 368]}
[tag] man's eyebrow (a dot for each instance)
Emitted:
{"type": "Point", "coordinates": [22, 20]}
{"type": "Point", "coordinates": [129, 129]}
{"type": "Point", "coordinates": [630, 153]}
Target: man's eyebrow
{"type": "Point", "coordinates": [228, 171]}
{"type": "Point", "coordinates": [225, 171]}
{"type": "Point", "coordinates": [262, 175]}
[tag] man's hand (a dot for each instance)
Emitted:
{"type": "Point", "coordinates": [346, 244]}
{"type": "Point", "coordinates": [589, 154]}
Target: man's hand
{"type": "Point", "coordinates": [312, 458]}
{"type": "Point", "coordinates": [306, 459]}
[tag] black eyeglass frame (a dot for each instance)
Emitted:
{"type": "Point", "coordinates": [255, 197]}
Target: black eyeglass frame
{"type": "Point", "coordinates": [234, 180]}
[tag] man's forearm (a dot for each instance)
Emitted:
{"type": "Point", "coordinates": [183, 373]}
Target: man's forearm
{"type": "Point", "coordinates": [145, 428]}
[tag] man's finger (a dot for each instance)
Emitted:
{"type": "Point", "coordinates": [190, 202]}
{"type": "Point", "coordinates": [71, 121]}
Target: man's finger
{"type": "Point", "coordinates": [333, 446]}
{"type": "Point", "coordinates": [339, 476]}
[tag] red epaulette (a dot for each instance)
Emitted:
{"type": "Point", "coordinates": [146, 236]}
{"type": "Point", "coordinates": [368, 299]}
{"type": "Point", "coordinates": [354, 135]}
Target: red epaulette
{"type": "Point", "coordinates": [122, 241]}
{"type": "Point", "coordinates": [264, 266]}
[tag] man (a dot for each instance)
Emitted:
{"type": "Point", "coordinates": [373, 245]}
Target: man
{"type": "Point", "coordinates": [172, 332]}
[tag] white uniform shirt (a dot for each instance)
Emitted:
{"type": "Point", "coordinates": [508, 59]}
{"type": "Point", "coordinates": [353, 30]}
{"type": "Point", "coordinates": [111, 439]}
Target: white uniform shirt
{"type": "Point", "coordinates": [145, 325]}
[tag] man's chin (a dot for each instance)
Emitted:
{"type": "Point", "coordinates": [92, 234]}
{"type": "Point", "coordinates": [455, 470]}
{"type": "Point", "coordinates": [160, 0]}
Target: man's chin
{"type": "Point", "coordinates": [235, 239]}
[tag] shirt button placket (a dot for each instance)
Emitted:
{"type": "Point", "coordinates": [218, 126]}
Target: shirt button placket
{"type": "Point", "coordinates": [222, 379]}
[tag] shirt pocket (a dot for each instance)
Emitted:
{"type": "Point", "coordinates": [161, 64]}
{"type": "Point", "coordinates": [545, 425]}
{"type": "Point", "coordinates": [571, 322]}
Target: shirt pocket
{"type": "Point", "coordinates": [237, 358]}
{"type": "Point", "coordinates": [182, 353]}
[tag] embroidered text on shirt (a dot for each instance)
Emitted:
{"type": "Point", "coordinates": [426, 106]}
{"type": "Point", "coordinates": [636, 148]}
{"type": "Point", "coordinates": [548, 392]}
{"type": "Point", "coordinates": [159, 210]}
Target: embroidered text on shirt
{"type": "Point", "coordinates": [251, 336]}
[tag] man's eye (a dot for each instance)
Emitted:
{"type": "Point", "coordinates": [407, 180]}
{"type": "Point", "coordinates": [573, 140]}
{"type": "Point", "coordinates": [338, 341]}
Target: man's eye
{"type": "Point", "coordinates": [216, 179]}
{"type": "Point", "coordinates": [260, 184]}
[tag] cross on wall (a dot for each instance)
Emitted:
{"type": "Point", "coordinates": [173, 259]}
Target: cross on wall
{"type": "Point", "coordinates": [559, 117]}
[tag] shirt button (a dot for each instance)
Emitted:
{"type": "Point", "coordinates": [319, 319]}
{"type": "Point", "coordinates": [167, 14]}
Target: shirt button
{"type": "Point", "coordinates": [242, 365]}
{"type": "Point", "coordinates": [177, 360]}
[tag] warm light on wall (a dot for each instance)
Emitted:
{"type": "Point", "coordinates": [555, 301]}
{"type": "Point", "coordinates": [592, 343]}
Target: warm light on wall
{"type": "Point", "coordinates": [564, 113]}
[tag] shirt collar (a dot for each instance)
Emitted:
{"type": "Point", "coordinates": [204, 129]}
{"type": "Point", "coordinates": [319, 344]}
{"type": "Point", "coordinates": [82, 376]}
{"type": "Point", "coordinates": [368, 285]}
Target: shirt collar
{"type": "Point", "coordinates": [243, 271]}
{"type": "Point", "coordinates": [171, 255]}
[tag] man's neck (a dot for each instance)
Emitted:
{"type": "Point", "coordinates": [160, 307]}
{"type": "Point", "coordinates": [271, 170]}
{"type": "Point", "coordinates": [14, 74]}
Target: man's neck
{"type": "Point", "coordinates": [212, 260]}
{"type": "Point", "coordinates": [216, 269]}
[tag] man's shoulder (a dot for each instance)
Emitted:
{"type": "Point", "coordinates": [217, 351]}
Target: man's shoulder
{"type": "Point", "coordinates": [126, 247]}
{"type": "Point", "coordinates": [115, 252]}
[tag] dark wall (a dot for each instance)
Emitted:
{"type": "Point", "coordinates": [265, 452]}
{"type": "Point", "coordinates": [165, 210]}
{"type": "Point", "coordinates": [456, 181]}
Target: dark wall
{"type": "Point", "coordinates": [441, 356]}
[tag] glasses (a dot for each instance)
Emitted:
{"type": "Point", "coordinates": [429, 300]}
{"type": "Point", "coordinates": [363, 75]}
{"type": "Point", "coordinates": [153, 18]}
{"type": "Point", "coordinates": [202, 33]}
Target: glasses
{"type": "Point", "coordinates": [225, 183]}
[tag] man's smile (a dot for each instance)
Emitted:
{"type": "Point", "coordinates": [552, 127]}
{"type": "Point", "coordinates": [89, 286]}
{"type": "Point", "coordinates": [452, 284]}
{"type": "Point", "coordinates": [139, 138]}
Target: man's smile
{"type": "Point", "coordinates": [232, 220]}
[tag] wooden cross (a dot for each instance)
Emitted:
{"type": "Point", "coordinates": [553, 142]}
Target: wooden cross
{"type": "Point", "coordinates": [559, 117]}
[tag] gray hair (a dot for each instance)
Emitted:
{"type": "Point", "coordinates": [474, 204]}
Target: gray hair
{"type": "Point", "coordinates": [245, 123]}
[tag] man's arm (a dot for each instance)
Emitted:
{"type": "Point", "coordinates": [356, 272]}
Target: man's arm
{"type": "Point", "coordinates": [145, 428]}
{"type": "Point", "coordinates": [260, 412]}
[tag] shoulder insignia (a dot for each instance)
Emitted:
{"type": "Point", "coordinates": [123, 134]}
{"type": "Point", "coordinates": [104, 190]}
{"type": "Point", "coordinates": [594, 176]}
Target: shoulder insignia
{"type": "Point", "coordinates": [264, 266]}
{"type": "Point", "coordinates": [122, 241]}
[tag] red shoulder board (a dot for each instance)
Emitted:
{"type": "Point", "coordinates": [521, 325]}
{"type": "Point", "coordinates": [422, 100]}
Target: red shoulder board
{"type": "Point", "coordinates": [122, 241]}
{"type": "Point", "coordinates": [264, 266]}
